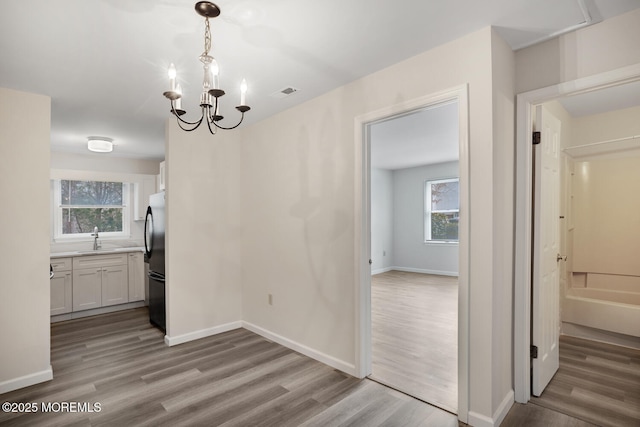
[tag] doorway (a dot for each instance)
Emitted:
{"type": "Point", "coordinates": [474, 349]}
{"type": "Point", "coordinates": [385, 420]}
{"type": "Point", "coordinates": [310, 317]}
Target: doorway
{"type": "Point", "coordinates": [524, 219]}
{"type": "Point", "coordinates": [364, 268]}
{"type": "Point", "coordinates": [414, 252]}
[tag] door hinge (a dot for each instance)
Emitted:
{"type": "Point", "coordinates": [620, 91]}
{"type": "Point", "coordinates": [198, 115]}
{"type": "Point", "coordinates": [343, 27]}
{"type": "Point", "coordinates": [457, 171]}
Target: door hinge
{"type": "Point", "coordinates": [536, 138]}
{"type": "Point", "coordinates": [534, 351]}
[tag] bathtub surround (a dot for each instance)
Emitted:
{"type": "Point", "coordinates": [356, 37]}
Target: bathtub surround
{"type": "Point", "coordinates": [603, 234]}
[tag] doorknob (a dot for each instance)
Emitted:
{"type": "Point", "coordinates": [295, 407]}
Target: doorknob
{"type": "Point", "coordinates": [561, 258]}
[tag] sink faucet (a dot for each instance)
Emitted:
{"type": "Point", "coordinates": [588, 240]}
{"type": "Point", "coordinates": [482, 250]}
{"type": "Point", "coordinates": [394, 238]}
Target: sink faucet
{"type": "Point", "coordinates": [96, 246]}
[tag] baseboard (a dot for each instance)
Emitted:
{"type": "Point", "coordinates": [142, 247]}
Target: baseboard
{"type": "Point", "coordinates": [340, 365]}
{"type": "Point", "coordinates": [381, 270]}
{"type": "Point", "coordinates": [202, 333]}
{"type": "Point", "coordinates": [424, 271]}
{"type": "Point", "coordinates": [95, 311]}
{"type": "Point", "coordinates": [26, 380]}
{"type": "Point", "coordinates": [479, 420]}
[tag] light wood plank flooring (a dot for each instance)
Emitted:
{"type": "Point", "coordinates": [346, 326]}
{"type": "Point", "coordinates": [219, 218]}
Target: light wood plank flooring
{"type": "Point", "coordinates": [234, 379]}
{"type": "Point", "coordinates": [414, 335]}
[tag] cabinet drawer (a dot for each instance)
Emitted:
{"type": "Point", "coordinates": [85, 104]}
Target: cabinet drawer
{"type": "Point", "coordinates": [90, 261]}
{"type": "Point", "coordinates": [61, 264]}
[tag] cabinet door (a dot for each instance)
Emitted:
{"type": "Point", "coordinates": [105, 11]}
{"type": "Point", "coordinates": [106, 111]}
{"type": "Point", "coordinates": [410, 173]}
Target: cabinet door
{"type": "Point", "coordinates": [161, 176]}
{"type": "Point", "coordinates": [136, 277]}
{"type": "Point", "coordinates": [145, 187]}
{"type": "Point", "coordinates": [87, 288]}
{"type": "Point", "coordinates": [115, 285]}
{"type": "Point", "coordinates": [61, 298]}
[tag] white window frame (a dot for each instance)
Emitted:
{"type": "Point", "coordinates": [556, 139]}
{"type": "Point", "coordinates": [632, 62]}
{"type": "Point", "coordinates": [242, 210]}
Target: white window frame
{"type": "Point", "coordinates": [427, 210]}
{"type": "Point", "coordinates": [57, 214]}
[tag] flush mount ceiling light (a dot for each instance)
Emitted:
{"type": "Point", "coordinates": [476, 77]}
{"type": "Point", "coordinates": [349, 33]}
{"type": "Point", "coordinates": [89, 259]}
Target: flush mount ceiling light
{"type": "Point", "coordinates": [100, 144]}
{"type": "Point", "coordinates": [211, 92]}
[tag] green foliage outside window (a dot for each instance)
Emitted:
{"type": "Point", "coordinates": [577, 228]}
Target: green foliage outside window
{"type": "Point", "coordinates": [89, 204]}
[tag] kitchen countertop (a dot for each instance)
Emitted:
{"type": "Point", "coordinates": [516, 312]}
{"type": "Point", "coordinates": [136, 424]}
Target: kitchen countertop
{"type": "Point", "coordinates": [106, 251]}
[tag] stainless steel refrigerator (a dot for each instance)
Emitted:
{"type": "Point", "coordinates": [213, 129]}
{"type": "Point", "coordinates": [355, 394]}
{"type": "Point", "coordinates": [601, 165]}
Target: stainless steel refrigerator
{"type": "Point", "coordinates": [154, 246]}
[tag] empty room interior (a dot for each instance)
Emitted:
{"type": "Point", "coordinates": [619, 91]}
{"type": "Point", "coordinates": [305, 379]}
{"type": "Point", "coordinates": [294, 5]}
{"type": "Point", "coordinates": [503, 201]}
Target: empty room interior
{"type": "Point", "coordinates": [414, 253]}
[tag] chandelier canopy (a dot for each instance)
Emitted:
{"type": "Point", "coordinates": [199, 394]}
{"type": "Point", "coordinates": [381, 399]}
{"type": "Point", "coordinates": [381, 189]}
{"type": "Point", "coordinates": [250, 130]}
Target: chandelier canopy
{"type": "Point", "coordinates": [211, 92]}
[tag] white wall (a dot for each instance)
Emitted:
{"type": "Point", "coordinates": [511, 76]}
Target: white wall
{"type": "Point", "coordinates": [381, 220]}
{"type": "Point", "coordinates": [600, 48]}
{"type": "Point", "coordinates": [103, 162]}
{"type": "Point", "coordinates": [606, 126]}
{"type": "Point", "coordinates": [204, 233]}
{"type": "Point", "coordinates": [24, 246]}
{"type": "Point", "coordinates": [410, 251]}
{"type": "Point", "coordinates": [298, 171]}
{"type": "Point", "coordinates": [502, 224]}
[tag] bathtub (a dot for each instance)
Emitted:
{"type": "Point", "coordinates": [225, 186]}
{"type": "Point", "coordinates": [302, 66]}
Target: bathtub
{"type": "Point", "coordinates": [603, 309]}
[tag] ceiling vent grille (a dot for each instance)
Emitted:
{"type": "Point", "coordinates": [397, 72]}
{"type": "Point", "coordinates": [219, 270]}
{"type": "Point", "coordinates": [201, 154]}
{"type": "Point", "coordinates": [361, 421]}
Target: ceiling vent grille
{"type": "Point", "coordinates": [284, 92]}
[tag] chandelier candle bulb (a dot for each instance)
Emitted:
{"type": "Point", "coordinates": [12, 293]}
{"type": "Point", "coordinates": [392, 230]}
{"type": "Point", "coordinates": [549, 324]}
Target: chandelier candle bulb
{"type": "Point", "coordinates": [172, 77]}
{"type": "Point", "coordinates": [243, 92]}
{"type": "Point", "coordinates": [215, 71]}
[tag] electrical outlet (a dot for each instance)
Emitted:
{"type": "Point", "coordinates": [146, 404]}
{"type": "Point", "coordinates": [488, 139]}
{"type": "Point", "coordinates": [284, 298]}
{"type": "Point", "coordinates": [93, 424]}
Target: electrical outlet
{"type": "Point", "coordinates": [270, 299]}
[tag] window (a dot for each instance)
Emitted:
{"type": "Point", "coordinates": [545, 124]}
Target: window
{"type": "Point", "coordinates": [442, 209]}
{"type": "Point", "coordinates": [79, 206]}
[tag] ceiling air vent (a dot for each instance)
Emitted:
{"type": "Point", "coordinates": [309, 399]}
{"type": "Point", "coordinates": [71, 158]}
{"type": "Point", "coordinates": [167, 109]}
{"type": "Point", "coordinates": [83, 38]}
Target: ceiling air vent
{"type": "Point", "coordinates": [284, 92]}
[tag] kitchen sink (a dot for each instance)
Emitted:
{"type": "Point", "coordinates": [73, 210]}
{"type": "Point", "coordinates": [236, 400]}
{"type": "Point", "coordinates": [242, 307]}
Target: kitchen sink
{"type": "Point", "coordinates": [102, 250]}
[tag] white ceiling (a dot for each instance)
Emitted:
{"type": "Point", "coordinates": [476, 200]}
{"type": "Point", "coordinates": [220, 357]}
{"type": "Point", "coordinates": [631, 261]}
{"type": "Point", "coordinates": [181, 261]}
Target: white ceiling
{"type": "Point", "coordinates": [427, 136]}
{"type": "Point", "coordinates": [104, 62]}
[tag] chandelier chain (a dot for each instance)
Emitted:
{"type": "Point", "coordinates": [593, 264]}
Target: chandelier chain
{"type": "Point", "coordinates": [207, 37]}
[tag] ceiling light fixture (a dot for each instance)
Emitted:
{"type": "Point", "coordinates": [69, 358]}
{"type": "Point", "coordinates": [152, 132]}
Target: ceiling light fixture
{"type": "Point", "coordinates": [211, 93]}
{"type": "Point", "coordinates": [100, 144]}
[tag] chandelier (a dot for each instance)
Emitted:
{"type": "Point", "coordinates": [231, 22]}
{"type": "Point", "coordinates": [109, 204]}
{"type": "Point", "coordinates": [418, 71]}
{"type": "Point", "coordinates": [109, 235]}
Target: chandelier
{"type": "Point", "coordinates": [211, 93]}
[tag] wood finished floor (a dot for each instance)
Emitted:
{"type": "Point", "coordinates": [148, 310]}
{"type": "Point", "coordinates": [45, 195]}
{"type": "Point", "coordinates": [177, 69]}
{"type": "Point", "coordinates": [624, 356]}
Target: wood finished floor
{"type": "Point", "coordinates": [234, 379]}
{"type": "Point", "coordinates": [596, 384]}
{"type": "Point", "coordinates": [414, 335]}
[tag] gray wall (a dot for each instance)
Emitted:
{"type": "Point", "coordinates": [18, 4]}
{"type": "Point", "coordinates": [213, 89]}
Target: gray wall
{"type": "Point", "coordinates": [397, 222]}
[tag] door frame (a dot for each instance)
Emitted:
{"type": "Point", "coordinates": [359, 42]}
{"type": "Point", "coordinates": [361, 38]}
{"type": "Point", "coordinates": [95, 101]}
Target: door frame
{"type": "Point", "coordinates": [362, 243]}
{"type": "Point", "coordinates": [525, 105]}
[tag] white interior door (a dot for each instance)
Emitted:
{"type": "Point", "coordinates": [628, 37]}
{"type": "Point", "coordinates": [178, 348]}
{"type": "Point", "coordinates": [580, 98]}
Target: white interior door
{"type": "Point", "coordinates": [546, 237]}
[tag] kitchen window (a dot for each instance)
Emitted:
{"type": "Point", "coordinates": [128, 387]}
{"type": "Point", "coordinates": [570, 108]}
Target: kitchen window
{"type": "Point", "coordinates": [442, 210]}
{"type": "Point", "coordinates": [82, 205]}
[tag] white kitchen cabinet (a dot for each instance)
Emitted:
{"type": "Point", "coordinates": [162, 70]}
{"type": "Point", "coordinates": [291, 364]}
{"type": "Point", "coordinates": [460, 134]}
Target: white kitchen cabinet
{"type": "Point", "coordinates": [100, 281]}
{"type": "Point", "coordinates": [115, 285]}
{"type": "Point", "coordinates": [61, 286]}
{"type": "Point", "coordinates": [136, 276]}
{"type": "Point", "coordinates": [161, 176]}
{"type": "Point", "coordinates": [142, 189]}
{"type": "Point", "coordinates": [87, 288]}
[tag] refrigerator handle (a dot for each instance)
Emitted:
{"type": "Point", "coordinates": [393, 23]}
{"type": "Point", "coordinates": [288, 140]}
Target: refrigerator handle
{"type": "Point", "coordinates": [155, 276]}
{"type": "Point", "coordinates": [148, 228]}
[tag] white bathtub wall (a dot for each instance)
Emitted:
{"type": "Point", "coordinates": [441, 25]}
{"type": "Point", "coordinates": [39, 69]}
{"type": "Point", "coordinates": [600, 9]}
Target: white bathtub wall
{"type": "Point", "coordinates": [606, 219]}
{"type": "Point", "coordinates": [410, 252]}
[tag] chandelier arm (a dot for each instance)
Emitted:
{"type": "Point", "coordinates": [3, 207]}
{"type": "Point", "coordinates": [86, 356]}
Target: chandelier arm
{"type": "Point", "coordinates": [232, 127]}
{"type": "Point", "coordinates": [197, 125]}
{"type": "Point", "coordinates": [212, 131]}
{"type": "Point", "coordinates": [175, 113]}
